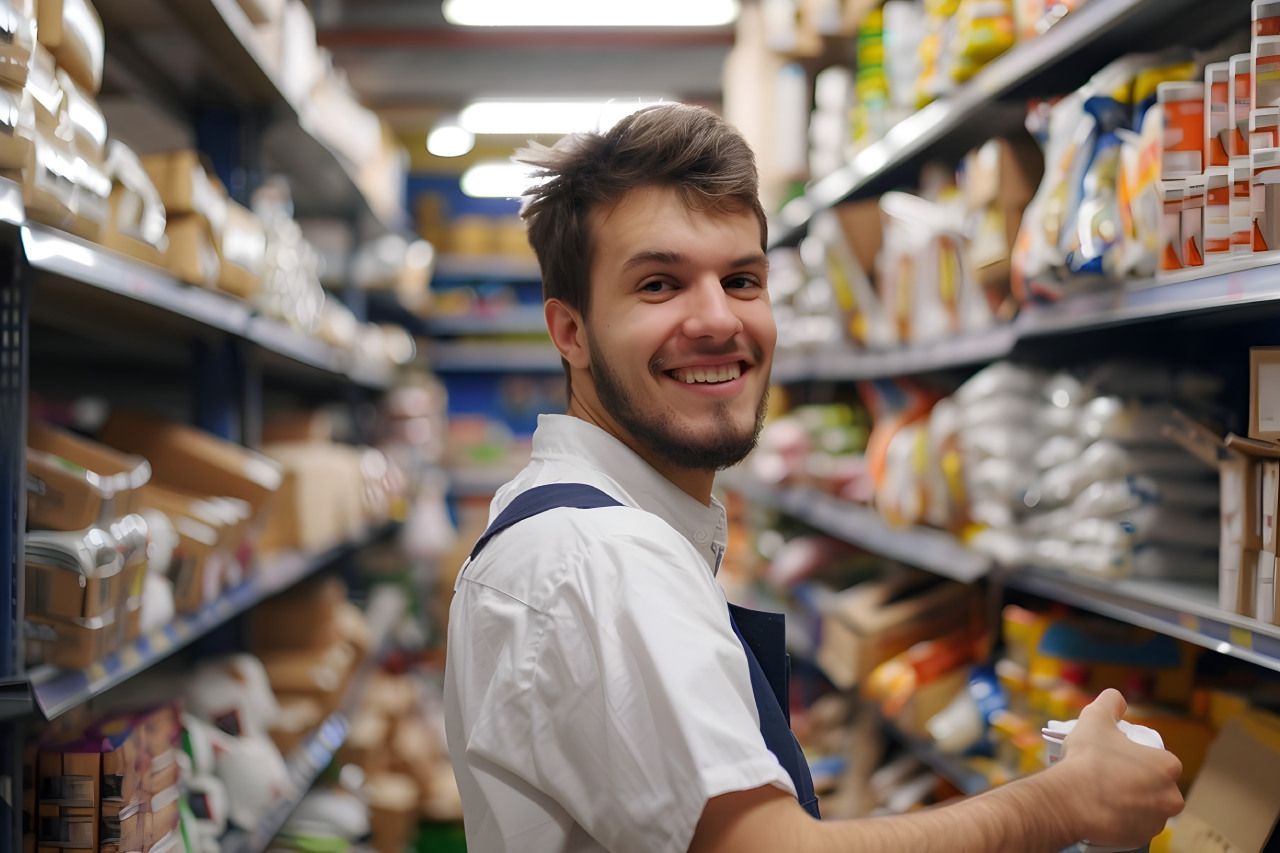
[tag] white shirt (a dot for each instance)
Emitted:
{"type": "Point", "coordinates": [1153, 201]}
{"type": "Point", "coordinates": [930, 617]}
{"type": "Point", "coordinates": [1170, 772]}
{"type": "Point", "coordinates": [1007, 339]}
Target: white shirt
{"type": "Point", "coordinates": [595, 693]}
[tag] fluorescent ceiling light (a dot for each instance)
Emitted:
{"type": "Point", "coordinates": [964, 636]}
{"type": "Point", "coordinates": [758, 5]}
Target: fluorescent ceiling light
{"type": "Point", "coordinates": [548, 117]}
{"type": "Point", "coordinates": [447, 139]}
{"type": "Point", "coordinates": [591, 13]}
{"type": "Point", "coordinates": [497, 179]}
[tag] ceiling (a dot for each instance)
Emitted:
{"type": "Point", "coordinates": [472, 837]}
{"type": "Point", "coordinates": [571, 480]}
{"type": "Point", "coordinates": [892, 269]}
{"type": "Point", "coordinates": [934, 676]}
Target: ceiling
{"type": "Point", "coordinates": [404, 60]}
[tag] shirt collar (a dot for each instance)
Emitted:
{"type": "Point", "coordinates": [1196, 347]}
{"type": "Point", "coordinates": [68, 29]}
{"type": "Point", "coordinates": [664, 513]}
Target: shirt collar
{"type": "Point", "coordinates": [639, 484]}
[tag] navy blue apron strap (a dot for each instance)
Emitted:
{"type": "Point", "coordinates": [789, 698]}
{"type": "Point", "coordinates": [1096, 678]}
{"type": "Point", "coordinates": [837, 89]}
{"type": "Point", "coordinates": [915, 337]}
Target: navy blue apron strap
{"type": "Point", "coordinates": [763, 639]}
{"type": "Point", "coordinates": [538, 500]}
{"type": "Point", "coordinates": [762, 635]}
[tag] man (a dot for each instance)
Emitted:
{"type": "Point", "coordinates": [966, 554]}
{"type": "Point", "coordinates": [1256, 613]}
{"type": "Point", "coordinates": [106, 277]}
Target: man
{"type": "Point", "coordinates": [600, 694]}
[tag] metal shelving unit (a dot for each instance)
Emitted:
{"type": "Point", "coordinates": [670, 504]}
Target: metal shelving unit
{"type": "Point", "coordinates": [520, 320]}
{"type": "Point", "coordinates": [217, 37]}
{"type": "Point", "coordinates": [1055, 62]}
{"type": "Point", "coordinates": [952, 768]}
{"type": "Point", "coordinates": [52, 692]}
{"type": "Point", "coordinates": [315, 753]}
{"type": "Point", "coordinates": [486, 357]}
{"type": "Point", "coordinates": [922, 547]}
{"type": "Point", "coordinates": [68, 269]}
{"type": "Point", "coordinates": [1230, 289]}
{"type": "Point", "coordinates": [1179, 609]}
{"type": "Point", "coordinates": [488, 267]}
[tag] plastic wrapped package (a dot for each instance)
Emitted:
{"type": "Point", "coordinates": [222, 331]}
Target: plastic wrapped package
{"type": "Point", "coordinates": [1107, 460]}
{"type": "Point", "coordinates": [72, 30]}
{"type": "Point", "coordinates": [17, 120]}
{"type": "Point", "coordinates": [946, 502]}
{"type": "Point", "coordinates": [923, 270]}
{"type": "Point", "coordinates": [829, 258]}
{"type": "Point", "coordinates": [43, 88]}
{"type": "Point", "coordinates": [136, 221]}
{"type": "Point", "coordinates": [1147, 562]}
{"type": "Point", "coordinates": [901, 495]}
{"type": "Point", "coordinates": [17, 38]}
{"type": "Point", "coordinates": [984, 30]}
{"type": "Point", "coordinates": [242, 252]}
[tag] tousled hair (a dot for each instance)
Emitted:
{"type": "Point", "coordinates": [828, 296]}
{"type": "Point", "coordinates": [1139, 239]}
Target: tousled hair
{"type": "Point", "coordinates": [689, 149]}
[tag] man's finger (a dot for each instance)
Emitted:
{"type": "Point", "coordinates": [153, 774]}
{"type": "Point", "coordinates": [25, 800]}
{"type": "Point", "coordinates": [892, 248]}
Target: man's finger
{"type": "Point", "coordinates": [1109, 702]}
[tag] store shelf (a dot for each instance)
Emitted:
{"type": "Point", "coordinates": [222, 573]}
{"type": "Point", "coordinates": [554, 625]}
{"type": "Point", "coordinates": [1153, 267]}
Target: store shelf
{"type": "Point", "coordinates": [317, 751]}
{"type": "Point", "coordinates": [1053, 63]}
{"type": "Point", "coordinates": [476, 482]}
{"type": "Point", "coordinates": [91, 284]}
{"type": "Point", "coordinates": [493, 358]}
{"type": "Point", "coordinates": [522, 320]}
{"type": "Point", "coordinates": [212, 52]}
{"type": "Point", "coordinates": [1244, 285]}
{"type": "Point", "coordinates": [952, 768]}
{"type": "Point", "coordinates": [932, 550]}
{"type": "Point", "coordinates": [487, 268]}
{"type": "Point", "coordinates": [52, 692]}
{"type": "Point", "coordinates": [1186, 611]}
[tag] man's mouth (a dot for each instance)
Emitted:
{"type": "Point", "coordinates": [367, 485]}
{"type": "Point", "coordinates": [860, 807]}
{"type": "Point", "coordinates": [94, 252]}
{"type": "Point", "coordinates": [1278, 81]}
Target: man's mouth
{"type": "Point", "coordinates": [710, 375]}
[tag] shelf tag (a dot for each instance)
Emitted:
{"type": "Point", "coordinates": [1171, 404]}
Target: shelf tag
{"type": "Point", "coordinates": [1241, 637]}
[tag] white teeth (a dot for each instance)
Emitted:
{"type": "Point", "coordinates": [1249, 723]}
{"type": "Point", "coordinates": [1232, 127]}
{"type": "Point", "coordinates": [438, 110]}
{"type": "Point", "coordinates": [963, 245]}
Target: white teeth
{"type": "Point", "coordinates": [721, 373]}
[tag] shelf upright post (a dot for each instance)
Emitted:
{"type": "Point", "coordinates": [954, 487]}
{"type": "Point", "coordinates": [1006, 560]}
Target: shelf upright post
{"type": "Point", "coordinates": [217, 386]}
{"type": "Point", "coordinates": [14, 375]}
{"type": "Point", "coordinates": [232, 140]}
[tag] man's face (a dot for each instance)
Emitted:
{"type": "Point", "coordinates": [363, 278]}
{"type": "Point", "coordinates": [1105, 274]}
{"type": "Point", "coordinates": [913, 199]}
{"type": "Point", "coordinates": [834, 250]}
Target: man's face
{"type": "Point", "coordinates": [680, 331]}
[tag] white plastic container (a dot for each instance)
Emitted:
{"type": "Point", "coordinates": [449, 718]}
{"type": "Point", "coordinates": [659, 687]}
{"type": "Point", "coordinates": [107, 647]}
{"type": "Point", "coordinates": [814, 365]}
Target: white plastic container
{"type": "Point", "coordinates": [1193, 201]}
{"type": "Point", "coordinates": [1217, 113]}
{"type": "Point", "coordinates": [1217, 215]}
{"type": "Point", "coordinates": [1240, 87]}
{"type": "Point", "coordinates": [1265, 199]}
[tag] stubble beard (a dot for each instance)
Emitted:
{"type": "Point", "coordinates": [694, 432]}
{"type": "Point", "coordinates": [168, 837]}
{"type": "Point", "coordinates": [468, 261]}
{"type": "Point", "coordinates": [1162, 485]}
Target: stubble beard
{"type": "Point", "coordinates": [727, 446]}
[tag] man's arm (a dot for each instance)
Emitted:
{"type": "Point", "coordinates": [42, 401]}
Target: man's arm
{"type": "Point", "coordinates": [1105, 789]}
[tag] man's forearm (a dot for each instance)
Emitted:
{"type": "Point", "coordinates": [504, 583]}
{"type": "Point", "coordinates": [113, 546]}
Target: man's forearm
{"type": "Point", "coordinates": [1020, 816]}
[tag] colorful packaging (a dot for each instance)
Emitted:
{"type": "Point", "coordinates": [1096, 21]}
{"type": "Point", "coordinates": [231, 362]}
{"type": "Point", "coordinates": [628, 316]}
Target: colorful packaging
{"type": "Point", "coordinates": [1217, 113]}
{"type": "Point", "coordinates": [1241, 211]}
{"type": "Point", "coordinates": [1241, 89]}
{"type": "Point", "coordinates": [1265, 199]}
{"type": "Point", "coordinates": [1266, 71]}
{"type": "Point", "coordinates": [1183, 108]}
{"type": "Point", "coordinates": [1217, 215]}
{"type": "Point", "coordinates": [1171, 225]}
{"type": "Point", "coordinates": [1193, 197]}
{"type": "Point", "coordinates": [1264, 128]}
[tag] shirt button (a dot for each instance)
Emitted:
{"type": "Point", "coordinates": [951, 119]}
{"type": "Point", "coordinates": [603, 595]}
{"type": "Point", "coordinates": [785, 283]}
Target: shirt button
{"type": "Point", "coordinates": [701, 537]}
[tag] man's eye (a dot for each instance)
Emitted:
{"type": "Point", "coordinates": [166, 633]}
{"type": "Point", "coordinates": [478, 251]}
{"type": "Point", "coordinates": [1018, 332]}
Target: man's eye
{"type": "Point", "coordinates": [741, 282]}
{"type": "Point", "coordinates": [657, 285]}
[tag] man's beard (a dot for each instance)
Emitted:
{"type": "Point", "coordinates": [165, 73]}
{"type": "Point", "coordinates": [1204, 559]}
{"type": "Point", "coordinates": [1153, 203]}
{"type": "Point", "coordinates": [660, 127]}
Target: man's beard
{"type": "Point", "coordinates": [724, 448]}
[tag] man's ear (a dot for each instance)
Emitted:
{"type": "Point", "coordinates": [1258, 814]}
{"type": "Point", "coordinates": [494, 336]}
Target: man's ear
{"type": "Point", "coordinates": [568, 332]}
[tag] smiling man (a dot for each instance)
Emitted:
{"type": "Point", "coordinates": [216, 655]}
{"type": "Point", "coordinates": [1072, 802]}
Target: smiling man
{"type": "Point", "coordinates": [600, 692]}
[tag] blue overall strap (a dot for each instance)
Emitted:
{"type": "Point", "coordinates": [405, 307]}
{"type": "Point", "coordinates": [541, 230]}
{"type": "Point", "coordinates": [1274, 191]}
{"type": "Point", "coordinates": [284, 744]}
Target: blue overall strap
{"type": "Point", "coordinates": [538, 500]}
{"type": "Point", "coordinates": [760, 634]}
{"type": "Point", "coordinates": [763, 638]}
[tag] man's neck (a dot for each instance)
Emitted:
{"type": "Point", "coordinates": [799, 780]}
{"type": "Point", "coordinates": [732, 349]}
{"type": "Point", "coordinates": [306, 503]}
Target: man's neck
{"type": "Point", "coordinates": [694, 482]}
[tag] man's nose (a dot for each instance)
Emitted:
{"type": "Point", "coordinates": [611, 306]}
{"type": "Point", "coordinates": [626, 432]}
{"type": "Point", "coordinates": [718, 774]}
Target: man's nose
{"type": "Point", "coordinates": [711, 312]}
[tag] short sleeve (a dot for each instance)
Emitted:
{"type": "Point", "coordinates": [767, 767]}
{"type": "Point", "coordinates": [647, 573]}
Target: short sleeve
{"type": "Point", "coordinates": [642, 703]}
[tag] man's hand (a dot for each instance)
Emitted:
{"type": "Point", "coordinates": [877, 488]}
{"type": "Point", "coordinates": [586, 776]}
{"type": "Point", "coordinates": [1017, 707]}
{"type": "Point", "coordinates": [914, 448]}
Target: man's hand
{"type": "Point", "coordinates": [1121, 793]}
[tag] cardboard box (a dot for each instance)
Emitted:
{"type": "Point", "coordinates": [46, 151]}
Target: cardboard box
{"type": "Point", "coordinates": [72, 643]}
{"type": "Point", "coordinates": [73, 483]}
{"type": "Point", "coordinates": [187, 188]}
{"type": "Point", "coordinates": [17, 119]}
{"type": "Point", "coordinates": [1264, 393]}
{"type": "Point", "coordinates": [59, 591]}
{"type": "Point", "coordinates": [318, 675]}
{"type": "Point", "coordinates": [1235, 801]}
{"type": "Point", "coordinates": [72, 30]}
{"type": "Point", "coordinates": [242, 252]}
{"type": "Point", "coordinates": [1264, 580]}
{"type": "Point", "coordinates": [192, 255]}
{"type": "Point", "coordinates": [302, 619]}
{"type": "Point", "coordinates": [189, 460]}
{"type": "Point", "coordinates": [393, 810]}
{"type": "Point", "coordinates": [321, 501]}
{"type": "Point", "coordinates": [873, 621]}
{"type": "Point", "coordinates": [366, 743]}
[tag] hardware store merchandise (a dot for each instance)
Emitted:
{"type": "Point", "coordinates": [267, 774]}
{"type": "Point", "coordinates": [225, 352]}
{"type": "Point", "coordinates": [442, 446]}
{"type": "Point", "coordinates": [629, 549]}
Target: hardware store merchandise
{"type": "Point", "coordinates": [273, 337]}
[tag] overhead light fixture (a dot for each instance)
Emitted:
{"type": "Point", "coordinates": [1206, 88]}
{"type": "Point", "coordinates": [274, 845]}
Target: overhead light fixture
{"type": "Point", "coordinates": [591, 13]}
{"type": "Point", "coordinates": [548, 117]}
{"type": "Point", "coordinates": [448, 139]}
{"type": "Point", "coordinates": [496, 179]}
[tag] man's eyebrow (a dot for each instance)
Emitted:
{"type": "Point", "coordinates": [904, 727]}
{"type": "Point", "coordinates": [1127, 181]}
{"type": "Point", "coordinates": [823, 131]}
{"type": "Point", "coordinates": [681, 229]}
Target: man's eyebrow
{"type": "Point", "coordinates": [655, 256]}
{"type": "Point", "coordinates": [658, 256]}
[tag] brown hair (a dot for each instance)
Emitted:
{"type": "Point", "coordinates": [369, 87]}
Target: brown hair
{"type": "Point", "coordinates": [688, 148]}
